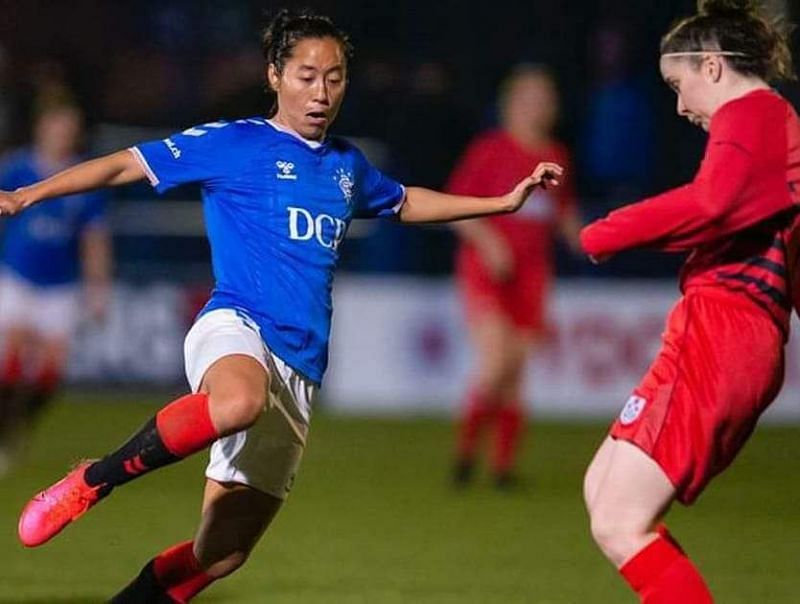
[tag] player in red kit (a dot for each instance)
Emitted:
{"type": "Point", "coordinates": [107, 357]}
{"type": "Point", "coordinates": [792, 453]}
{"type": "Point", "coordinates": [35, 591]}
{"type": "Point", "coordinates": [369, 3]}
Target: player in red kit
{"type": "Point", "coordinates": [722, 359]}
{"type": "Point", "coordinates": [504, 264]}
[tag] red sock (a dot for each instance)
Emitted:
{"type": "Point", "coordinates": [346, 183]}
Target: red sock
{"type": "Point", "coordinates": [479, 412]}
{"type": "Point", "coordinates": [49, 377]}
{"type": "Point", "coordinates": [662, 530]}
{"type": "Point", "coordinates": [661, 574]}
{"type": "Point", "coordinates": [185, 425]}
{"type": "Point", "coordinates": [178, 571]}
{"type": "Point", "coordinates": [510, 421]}
{"type": "Point", "coordinates": [12, 366]}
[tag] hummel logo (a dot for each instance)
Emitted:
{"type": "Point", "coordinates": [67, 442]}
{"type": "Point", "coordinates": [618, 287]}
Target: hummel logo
{"type": "Point", "coordinates": [285, 170]}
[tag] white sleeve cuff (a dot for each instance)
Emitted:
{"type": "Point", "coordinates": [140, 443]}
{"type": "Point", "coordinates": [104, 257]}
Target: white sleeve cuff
{"type": "Point", "coordinates": [151, 176]}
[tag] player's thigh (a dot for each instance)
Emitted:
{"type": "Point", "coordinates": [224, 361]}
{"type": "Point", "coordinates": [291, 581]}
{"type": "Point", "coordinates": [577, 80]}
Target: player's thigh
{"type": "Point", "coordinates": [18, 338]}
{"type": "Point", "coordinates": [493, 338]}
{"type": "Point", "coordinates": [237, 385]}
{"type": "Point", "coordinates": [597, 470]}
{"type": "Point", "coordinates": [633, 492]}
{"type": "Point", "coordinates": [53, 350]}
{"type": "Point", "coordinates": [234, 517]}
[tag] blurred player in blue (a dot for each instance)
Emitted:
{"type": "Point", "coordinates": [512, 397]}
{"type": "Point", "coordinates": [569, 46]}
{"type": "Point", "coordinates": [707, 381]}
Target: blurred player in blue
{"type": "Point", "coordinates": [44, 256]}
{"type": "Point", "coordinates": [278, 196]}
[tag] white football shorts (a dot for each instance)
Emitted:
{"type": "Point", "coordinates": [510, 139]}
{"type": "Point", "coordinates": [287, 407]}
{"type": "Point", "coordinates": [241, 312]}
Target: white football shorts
{"type": "Point", "coordinates": [51, 311]}
{"type": "Point", "coordinates": [267, 455]}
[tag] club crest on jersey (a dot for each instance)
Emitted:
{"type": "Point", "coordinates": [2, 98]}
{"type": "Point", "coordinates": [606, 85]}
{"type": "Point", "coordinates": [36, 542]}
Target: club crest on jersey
{"type": "Point", "coordinates": [345, 181]}
{"type": "Point", "coordinates": [285, 170]}
{"type": "Point", "coordinates": [632, 410]}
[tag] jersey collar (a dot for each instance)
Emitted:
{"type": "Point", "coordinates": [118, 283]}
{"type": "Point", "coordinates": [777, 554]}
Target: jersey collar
{"type": "Point", "coordinates": [285, 130]}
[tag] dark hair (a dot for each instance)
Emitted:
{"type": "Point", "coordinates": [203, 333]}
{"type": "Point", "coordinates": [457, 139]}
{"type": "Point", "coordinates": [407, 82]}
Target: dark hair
{"type": "Point", "coordinates": [287, 28]}
{"type": "Point", "coordinates": [736, 26]}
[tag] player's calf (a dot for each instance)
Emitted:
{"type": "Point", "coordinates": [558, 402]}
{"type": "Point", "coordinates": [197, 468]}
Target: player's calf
{"type": "Point", "coordinates": [173, 576]}
{"type": "Point", "coordinates": [180, 429]}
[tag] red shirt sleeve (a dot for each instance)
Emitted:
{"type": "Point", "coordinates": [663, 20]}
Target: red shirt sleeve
{"type": "Point", "coordinates": [741, 181]}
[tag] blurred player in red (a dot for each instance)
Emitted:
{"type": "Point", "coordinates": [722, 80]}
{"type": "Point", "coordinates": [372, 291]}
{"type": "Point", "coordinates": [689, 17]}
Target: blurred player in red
{"type": "Point", "coordinates": [722, 359]}
{"type": "Point", "coordinates": [48, 259]}
{"type": "Point", "coordinates": [504, 264]}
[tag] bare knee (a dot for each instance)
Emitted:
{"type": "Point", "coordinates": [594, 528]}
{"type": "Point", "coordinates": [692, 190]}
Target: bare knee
{"type": "Point", "coordinates": [500, 381]}
{"type": "Point", "coordinates": [237, 411]}
{"type": "Point", "coordinates": [237, 387]}
{"type": "Point", "coordinates": [617, 535]}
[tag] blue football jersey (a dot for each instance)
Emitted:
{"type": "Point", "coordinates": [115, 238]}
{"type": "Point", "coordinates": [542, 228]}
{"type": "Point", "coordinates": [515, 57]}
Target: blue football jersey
{"type": "Point", "coordinates": [42, 244]}
{"type": "Point", "coordinates": [276, 209]}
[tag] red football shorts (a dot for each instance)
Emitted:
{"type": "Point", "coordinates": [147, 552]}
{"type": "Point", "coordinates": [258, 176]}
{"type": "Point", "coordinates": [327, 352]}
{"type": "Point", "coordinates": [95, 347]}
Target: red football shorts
{"type": "Point", "coordinates": [720, 365]}
{"type": "Point", "coordinates": [521, 299]}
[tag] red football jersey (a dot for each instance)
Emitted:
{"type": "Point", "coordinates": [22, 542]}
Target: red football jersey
{"type": "Point", "coordinates": [492, 165]}
{"type": "Point", "coordinates": [750, 173]}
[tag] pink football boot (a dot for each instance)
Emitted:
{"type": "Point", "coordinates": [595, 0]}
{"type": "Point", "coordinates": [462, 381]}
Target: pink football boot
{"type": "Point", "coordinates": [50, 511]}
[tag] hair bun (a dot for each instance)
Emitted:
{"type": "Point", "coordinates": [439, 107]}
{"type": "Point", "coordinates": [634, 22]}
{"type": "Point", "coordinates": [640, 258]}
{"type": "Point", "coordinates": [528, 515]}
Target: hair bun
{"type": "Point", "coordinates": [727, 7]}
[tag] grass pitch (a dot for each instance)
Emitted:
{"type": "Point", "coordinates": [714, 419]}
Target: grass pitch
{"type": "Point", "coordinates": [372, 520]}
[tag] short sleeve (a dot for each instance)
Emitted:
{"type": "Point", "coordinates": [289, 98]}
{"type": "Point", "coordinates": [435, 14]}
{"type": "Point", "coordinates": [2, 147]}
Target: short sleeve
{"type": "Point", "coordinates": [377, 194]}
{"type": "Point", "coordinates": [195, 155]}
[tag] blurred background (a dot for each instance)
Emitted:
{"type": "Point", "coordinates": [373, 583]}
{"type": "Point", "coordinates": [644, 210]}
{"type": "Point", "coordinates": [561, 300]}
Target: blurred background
{"type": "Point", "coordinates": [374, 516]}
{"type": "Point", "coordinates": [423, 83]}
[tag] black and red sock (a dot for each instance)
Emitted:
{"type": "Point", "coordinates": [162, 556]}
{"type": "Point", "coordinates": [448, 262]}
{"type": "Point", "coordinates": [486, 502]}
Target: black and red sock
{"type": "Point", "coordinates": [180, 429]}
{"type": "Point", "coordinates": [173, 577]}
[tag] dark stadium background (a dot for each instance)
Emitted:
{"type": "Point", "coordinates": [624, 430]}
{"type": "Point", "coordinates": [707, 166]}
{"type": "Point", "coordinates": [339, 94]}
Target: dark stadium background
{"type": "Point", "coordinates": [422, 84]}
{"type": "Point", "coordinates": [372, 518]}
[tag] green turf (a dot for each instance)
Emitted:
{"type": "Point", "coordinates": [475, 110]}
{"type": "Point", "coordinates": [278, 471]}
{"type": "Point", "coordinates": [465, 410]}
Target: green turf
{"type": "Point", "coordinates": [372, 521]}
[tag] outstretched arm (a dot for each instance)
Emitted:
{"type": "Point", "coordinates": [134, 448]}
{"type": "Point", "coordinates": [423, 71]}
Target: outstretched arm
{"type": "Point", "coordinates": [425, 205]}
{"type": "Point", "coordinates": [707, 209]}
{"type": "Point", "coordinates": [745, 158]}
{"type": "Point", "coordinates": [118, 168]}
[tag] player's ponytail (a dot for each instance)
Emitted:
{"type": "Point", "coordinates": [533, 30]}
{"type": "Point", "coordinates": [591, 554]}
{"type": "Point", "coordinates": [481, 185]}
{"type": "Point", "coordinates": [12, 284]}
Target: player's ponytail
{"type": "Point", "coordinates": [752, 43]}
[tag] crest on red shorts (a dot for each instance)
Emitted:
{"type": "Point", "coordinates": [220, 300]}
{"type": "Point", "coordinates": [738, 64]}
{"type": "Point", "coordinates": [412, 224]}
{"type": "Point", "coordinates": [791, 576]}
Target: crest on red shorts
{"type": "Point", "coordinates": [632, 410]}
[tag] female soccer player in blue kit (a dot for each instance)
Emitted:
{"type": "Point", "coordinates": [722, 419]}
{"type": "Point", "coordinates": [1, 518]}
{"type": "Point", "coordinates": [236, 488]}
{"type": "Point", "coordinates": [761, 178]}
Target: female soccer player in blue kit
{"type": "Point", "coordinates": [278, 195]}
{"type": "Point", "coordinates": [55, 264]}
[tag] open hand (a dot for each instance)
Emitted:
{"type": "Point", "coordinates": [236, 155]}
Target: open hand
{"type": "Point", "coordinates": [546, 174]}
